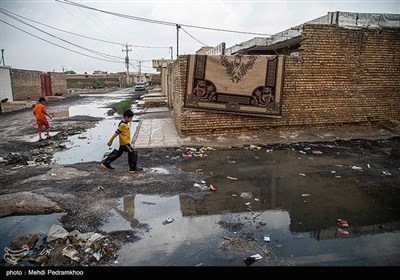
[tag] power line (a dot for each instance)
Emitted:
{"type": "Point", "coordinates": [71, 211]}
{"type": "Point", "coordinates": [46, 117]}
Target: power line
{"type": "Point", "coordinates": [114, 61]}
{"type": "Point", "coordinates": [84, 36]}
{"type": "Point", "coordinates": [49, 34]}
{"type": "Point", "coordinates": [193, 37]}
{"type": "Point", "coordinates": [159, 21]}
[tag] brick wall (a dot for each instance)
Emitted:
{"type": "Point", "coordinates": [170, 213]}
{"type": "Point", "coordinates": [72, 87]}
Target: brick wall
{"type": "Point", "coordinates": [26, 84]}
{"type": "Point", "coordinates": [89, 81]}
{"type": "Point", "coordinates": [342, 76]}
{"type": "Point", "coordinates": [58, 83]}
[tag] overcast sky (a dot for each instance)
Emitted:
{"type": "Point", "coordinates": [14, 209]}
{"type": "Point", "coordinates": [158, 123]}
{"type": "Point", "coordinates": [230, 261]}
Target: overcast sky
{"type": "Point", "coordinates": [24, 51]}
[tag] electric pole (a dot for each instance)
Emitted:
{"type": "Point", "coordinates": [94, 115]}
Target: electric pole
{"type": "Point", "coordinates": [2, 57]}
{"type": "Point", "coordinates": [177, 40]}
{"type": "Point", "coordinates": [171, 53]}
{"type": "Point", "coordinates": [127, 63]}
{"type": "Point", "coordinates": [140, 68]}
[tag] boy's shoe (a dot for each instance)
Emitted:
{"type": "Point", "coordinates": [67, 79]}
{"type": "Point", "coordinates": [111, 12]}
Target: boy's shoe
{"type": "Point", "coordinates": [135, 171]}
{"type": "Point", "coordinates": [107, 166]}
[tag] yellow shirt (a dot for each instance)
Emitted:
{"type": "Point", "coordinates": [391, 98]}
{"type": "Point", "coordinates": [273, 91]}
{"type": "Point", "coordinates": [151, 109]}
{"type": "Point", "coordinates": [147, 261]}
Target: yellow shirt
{"type": "Point", "coordinates": [124, 133]}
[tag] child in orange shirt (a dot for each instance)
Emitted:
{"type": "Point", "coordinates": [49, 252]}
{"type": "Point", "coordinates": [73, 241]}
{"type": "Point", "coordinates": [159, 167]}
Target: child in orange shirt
{"type": "Point", "coordinates": [40, 113]}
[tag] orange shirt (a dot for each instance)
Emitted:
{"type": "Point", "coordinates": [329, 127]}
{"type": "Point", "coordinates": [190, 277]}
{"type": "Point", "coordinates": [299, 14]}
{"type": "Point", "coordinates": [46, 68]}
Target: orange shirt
{"type": "Point", "coordinates": [40, 111]}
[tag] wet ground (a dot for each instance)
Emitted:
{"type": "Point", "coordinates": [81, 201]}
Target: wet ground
{"type": "Point", "coordinates": [213, 207]}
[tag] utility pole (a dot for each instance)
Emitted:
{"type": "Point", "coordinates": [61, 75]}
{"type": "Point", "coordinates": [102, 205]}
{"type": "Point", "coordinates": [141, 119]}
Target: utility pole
{"type": "Point", "coordinates": [127, 63]}
{"type": "Point", "coordinates": [2, 57]}
{"type": "Point", "coordinates": [63, 68]}
{"type": "Point", "coordinates": [177, 40]}
{"type": "Point", "coordinates": [140, 70]}
{"type": "Point", "coordinates": [171, 53]}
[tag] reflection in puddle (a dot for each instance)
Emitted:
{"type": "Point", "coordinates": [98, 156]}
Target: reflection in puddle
{"type": "Point", "coordinates": [269, 198]}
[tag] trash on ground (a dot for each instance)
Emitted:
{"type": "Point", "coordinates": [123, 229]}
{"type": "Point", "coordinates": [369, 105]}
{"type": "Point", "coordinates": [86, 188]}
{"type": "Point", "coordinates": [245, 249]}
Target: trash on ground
{"type": "Point", "coordinates": [342, 223]}
{"type": "Point", "coordinates": [356, 167]}
{"type": "Point", "coordinates": [342, 231]}
{"type": "Point", "coordinates": [56, 232]}
{"type": "Point", "coordinates": [212, 188]}
{"type": "Point", "coordinates": [302, 174]}
{"type": "Point", "coordinates": [305, 195]}
{"type": "Point", "coordinates": [246, 195]}
{"type": "Point", "coordinates": [169, 220]}
{"type": "Point", "coordinates": [250, 260]}
{"type": "Point", "coordinates": [247, 203]}
{"type": "Point", "coordinates": [231, 178]}
{"type": "Point", "coordinates": [202, 187]}
{"type": "Point", "coordinates": [317, 152]}
{"type": "Point", "coordinates": [267, 238]}
{"type": "Point", "coordinates": [387, 173]}
{"type": "Point", "coordinates": [257, 199]}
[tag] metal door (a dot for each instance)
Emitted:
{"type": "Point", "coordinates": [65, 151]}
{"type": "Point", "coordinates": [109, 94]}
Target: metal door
{"type": "Point", "coordinates": [46, 84]}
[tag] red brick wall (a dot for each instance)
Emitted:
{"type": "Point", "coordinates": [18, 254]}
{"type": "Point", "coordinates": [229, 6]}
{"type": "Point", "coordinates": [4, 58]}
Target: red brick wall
{"type": "Point", "coordinates": [342, 76]}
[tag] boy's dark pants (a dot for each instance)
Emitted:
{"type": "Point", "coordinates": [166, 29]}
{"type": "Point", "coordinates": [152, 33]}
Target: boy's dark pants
{"type": "Point", "coordinates": [132, 156]}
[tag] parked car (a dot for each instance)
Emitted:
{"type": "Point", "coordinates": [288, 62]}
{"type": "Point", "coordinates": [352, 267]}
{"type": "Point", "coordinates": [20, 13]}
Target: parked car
{"type": "Point", "coordinates": [140, 86]}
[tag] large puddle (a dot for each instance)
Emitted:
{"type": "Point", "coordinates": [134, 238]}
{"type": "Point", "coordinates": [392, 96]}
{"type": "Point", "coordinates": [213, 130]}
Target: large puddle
{"type": "Point", "coordinates": [293, 199]}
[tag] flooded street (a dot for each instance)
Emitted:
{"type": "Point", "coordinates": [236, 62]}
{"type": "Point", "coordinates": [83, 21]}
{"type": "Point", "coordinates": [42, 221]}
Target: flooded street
{"type": "Point", "coordinates": [293, 198]}
{"type": "Point", "coordinates": [296, 204]}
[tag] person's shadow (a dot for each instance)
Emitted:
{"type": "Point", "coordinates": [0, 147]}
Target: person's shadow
{"type": "Point", "coordinates": [129, 210]}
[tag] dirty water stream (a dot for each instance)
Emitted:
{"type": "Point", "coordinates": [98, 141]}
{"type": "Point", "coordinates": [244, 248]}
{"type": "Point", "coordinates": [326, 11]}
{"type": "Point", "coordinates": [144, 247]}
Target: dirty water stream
{"type": "Point", "coordinates": [281, 204]}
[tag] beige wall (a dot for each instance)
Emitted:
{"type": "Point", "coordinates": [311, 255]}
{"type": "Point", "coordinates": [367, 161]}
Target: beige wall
{"type": "Point", "coordinates": [342, 76]}
{"type": "Point", "coordinates": [26, 84]}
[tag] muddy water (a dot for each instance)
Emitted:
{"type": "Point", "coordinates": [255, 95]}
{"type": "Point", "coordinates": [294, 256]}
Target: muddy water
{"type": "Point", "coordinates": [293, 198]}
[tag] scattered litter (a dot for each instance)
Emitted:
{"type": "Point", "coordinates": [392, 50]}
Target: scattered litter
{"type": "Point", "coordinates": [53, 174]}
{"type": "Point", "coordinates": [270, 150]}
{"type": "Point", "coordinates": [56, 232]}
{"type": "Point", "coordinates": [369, 166]}
{"type": "Point", "coordinates": [267, 238]}
{"type": "Point", "coordinates": [333, 171]}
{"type": "Point", "coordinates": [212, 188]}
{"type": "Point", "coordinates": [257, 199]}
{"type": "Point", "coordinates": [342, 231]}
{"type": "Point", "coordinates": [387, 173]}
{"type": "Point", "coordinates": [100, 188]}
{"type": "Point", "coordinates": [82, 136]}
{"type": "Point", "coordinates": [71, 253]}
{"type": "Point", "coordinates": [356, 167]}
{"type": "Point", "coordinates": [234, 194]}
{"type": "Point", "coordinates": [247, 203]}
{"type": "Point", "coordinates": [169, 220]}
{"type": "Point", "coordinates": [231, 178]}
{"type": "Point", "coordinates": [203, 187]}
{"type": "Point", "coordinates": [317, 152]}
{"type": "Point", "coordinates": [305, 195]}
{"type": "Point", "coordinates": [246, 195]}
{"type": "Point", "coordinates": [342, 223]}
{"type": "Point", "coordinates": [302, 152]}
{"type": "Point", "coordinates": [302, 174]}
{"type": "Point", "coordinates": [250, 260]}
{"type": "Point", "coordinates": [231, 161]}
{"type": "Point", "coordinates": [97, 255]}
{"type": "Point", "coordinates": [337, 176]}
{"type": "Point", "coordinates": [203, 182]}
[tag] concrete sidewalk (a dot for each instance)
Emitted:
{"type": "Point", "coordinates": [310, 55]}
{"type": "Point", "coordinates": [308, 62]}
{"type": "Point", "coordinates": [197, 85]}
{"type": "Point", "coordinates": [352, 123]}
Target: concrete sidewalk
{"type": "Point", "coordinates": [156, 129]}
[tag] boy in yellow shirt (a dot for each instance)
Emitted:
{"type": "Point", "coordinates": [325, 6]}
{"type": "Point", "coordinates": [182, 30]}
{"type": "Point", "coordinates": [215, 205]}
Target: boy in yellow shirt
{"type": "Point", "coordinates": [124, 134]}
